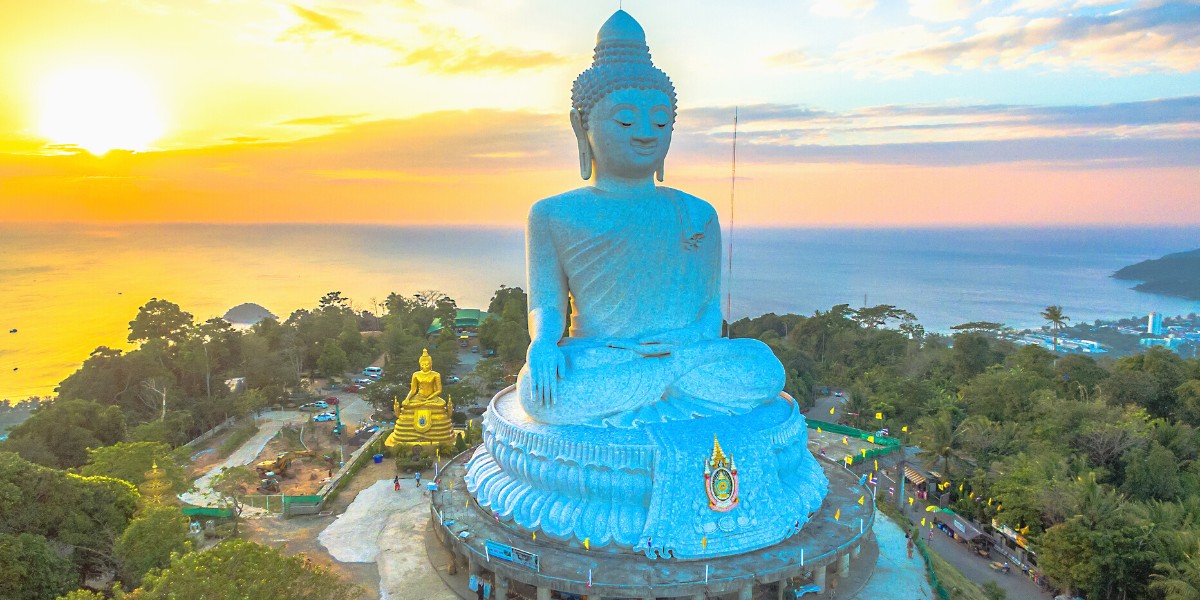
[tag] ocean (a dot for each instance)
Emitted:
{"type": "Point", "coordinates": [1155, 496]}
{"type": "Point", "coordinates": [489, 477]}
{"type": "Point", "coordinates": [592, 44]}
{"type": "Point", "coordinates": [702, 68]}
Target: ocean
{"type": "Point", "coordinates": [67, 289]}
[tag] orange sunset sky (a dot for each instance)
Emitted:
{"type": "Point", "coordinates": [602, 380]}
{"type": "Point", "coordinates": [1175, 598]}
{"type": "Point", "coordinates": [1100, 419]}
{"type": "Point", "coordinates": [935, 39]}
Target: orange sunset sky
{"type": "Point", "coordinates": [852, 113]}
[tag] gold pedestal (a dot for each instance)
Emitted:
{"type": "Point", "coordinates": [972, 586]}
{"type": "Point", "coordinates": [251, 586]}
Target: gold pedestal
{"type": "Point", "coordinates": [428, 424]}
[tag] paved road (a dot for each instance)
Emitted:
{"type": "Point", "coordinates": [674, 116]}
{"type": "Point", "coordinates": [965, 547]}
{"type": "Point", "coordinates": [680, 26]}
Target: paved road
{"type": "Point", "coordinates": [974, 567]}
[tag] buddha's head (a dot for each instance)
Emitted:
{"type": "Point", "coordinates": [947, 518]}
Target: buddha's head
{"type": "Point", "coordinates": [425, 361]}
{"type": "Point", "coordinates": [623, 107]}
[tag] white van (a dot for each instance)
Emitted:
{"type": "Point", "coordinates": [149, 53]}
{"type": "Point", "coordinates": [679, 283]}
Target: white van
{"type": "Point", "coordinates": [373, 372]}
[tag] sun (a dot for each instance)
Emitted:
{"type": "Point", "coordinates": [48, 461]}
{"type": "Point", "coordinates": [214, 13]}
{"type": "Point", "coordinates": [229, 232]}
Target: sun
{"type": "Point", "coordinates": [99, 109]}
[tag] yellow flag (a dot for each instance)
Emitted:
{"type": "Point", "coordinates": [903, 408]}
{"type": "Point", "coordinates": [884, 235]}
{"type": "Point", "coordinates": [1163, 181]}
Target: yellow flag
{"type": "Point", "coordinates": [960, 487]}
{"type": "Point", "coordinates": [846, 440]}
{"type": "Point", "coordinates": [876, 465]}
{"type": "Point", "coordinates": [587, 543]}
{"type": "Point", "coordinates": [861, 499]}
{"type": "Point", "coordinates": [864, 452]}
{"type": "Point", "coordinates": [871, 438]}
{"type": "Point", "coordinates": [849, 459]}
{"type": "Point", "coordinates": [837, 516]}
{"type": "Point", "coordinates": [910, 500]}
{"type": "Point", "coordinates": [818, 429]}
{"type": "Point", "coordinates": [704, 542]}
{"type": "Point", "coordinates": [879, 416]}
{"type": "Point", "coordinates": [831, 410]}
{"type": "Point", "coordinates": [930, 508]}
{"type": "Point", "coordinates": [452, 486]}
{"type": "Point", "coordinates": [535, 536]}
{"type": "Point", "coordinates": [904, 429]}
{"type": "Point", "coordinates": [922, 521]}
{"type": "Point", "coordinates": [989, 501]}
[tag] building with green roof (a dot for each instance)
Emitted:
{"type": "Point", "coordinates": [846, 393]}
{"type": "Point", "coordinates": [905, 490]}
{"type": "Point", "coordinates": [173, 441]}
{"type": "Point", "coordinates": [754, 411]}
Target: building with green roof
{"type": "Point", "coordinates": [465, 318]}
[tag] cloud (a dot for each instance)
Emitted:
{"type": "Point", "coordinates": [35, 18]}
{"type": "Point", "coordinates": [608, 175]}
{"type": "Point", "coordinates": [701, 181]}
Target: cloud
{"type": "Point", "coordinates": [326, 120]}
{"type": "Point", "coordinates": [1163, 37]}
{"type": "Point", "coordinates": [940, 10]}
{"type": "Point", "coordinates": [1147, 133]}
{"type": "Point", "coordinates": [842, 8]}
{"type": "Point", "coordinates": [437, 48]}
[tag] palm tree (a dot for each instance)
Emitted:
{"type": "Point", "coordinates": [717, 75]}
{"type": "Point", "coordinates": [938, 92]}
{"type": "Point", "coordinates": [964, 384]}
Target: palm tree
{"type": "Point", "coordinates": [1056, 319]}
{"type": "Point", "coordinates": [942, 439]}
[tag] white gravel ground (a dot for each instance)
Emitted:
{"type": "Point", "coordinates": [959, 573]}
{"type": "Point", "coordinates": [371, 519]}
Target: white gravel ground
{"type": "Point", "coordinates": [388, 527]}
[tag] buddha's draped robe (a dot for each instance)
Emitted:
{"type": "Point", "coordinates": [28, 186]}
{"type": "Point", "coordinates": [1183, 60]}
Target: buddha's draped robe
{"type": "Point", "coordinates": [635, 269]}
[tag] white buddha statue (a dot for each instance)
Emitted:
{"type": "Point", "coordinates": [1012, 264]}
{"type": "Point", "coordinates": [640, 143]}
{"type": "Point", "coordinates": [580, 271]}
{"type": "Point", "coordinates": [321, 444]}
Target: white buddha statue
{"type": "Point", "coordinates": [636, 264]}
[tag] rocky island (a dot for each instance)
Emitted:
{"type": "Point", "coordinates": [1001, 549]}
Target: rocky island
{"type": "Point", "coordinates": [248, 314]}
{"type": "Point", "coordinates": [1172, 275]}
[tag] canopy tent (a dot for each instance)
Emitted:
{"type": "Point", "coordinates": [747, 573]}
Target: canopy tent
{"type": "Point", "coordinates": [913, 476]}
{"type": "Point", "coordinates": [960, 525]}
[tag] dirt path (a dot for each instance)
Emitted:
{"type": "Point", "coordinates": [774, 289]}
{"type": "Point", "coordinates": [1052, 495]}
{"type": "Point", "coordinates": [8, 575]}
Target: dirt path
{"type": "Point", "coordinates": [203, 494]}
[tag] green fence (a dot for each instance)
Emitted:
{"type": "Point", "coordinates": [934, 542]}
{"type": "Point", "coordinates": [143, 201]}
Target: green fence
{"type": "Point", "coordinates": [887, 444]}
{"type": "Point", "coordinates": [938, 588]}
{"type": "Point", "coordinates": [204, 511]}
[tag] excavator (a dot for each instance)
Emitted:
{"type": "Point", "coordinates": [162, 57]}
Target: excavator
{"type": "Point", "coordinates": [279, 465]}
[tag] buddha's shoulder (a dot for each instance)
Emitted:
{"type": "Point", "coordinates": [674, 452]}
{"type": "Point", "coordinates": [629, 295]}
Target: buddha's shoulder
{"type": "Point", "coordinates": [695, 205]}
{"type": "Point", "coordinates": [564, 203]}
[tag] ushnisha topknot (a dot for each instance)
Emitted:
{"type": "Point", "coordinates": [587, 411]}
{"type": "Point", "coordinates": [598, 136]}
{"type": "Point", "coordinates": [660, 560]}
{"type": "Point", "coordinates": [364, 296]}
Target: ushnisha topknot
{"type": "Point", "coordinates": [622, 60]}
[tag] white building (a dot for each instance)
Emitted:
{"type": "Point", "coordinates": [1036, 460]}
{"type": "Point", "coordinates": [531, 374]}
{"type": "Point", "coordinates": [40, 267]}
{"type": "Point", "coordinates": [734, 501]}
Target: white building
{"type": "Point", "coordinates": [1154, 324]}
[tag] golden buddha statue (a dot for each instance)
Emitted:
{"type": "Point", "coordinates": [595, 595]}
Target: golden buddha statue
{"type": "Point", "coordinates": [423, 417]}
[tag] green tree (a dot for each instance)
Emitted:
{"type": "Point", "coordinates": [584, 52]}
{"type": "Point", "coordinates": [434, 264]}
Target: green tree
{"type": "Point", "coordinates": [1056, 319]}
{"type": "Point", "coordinates": [85, 513]}
{"type": "Point", "coordinates": [231, 484]}
{"type": "Point", "coordinates": [31, 570]}
{"type": "Point", "coordinates": [160, 320]}
{"type": "Point", "coordinates": [972, 354]}
{"type": "Point", "coordinates": [241, 569]}
{"type": "Point", "coordinates": [1188, 405]}
{"type": "Point", "coordinates": [62, 432]}
{"type": "Point", "coordinates": [1152, 473]}
{"type": "Point", "coordinates": [1178, 581]}
{"type": "Point", "coordinates": [129, 461]}
{"type": "Point", "coordinates": [82, 594]}
{"type": "Point", "coordinates": [333, 361]}
{"type": "Point", "coordinates": [149, 542]}
{"type": "Point", "coordinates": [942, 439]}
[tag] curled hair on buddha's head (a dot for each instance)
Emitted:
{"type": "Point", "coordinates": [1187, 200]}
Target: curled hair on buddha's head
{"type": "Point", "coordinates": [622, 61]}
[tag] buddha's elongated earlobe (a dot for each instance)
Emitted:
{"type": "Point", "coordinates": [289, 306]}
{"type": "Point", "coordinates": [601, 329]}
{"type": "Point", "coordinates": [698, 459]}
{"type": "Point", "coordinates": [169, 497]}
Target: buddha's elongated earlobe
{"type": "Point", "coordinates": [585, 148]}
{"type": "Point", "coordinates": [659, 171]}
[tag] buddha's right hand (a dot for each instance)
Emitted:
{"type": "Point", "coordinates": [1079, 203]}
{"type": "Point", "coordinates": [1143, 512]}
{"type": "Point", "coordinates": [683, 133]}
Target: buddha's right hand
{"type": "Point", "coordinates": [546, 363]}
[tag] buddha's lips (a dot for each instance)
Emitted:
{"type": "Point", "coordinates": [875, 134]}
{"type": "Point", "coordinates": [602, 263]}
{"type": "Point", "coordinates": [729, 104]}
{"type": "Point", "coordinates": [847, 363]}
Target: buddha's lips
{"type": "Point", "coordinates": [645, 149]}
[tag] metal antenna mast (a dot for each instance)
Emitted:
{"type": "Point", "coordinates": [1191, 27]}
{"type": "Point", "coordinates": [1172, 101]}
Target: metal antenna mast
{"type": "Point", "coordinates": [732, 189]}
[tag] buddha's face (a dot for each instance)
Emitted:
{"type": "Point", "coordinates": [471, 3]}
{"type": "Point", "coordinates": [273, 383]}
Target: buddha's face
{"type": "Point", "coordinates": [426, 364]}
{"type": "Point", "coordinates": [630, 132]}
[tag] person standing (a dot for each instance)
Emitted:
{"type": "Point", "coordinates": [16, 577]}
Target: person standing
{"type": "Point", "coordinates": [417, 477]}
{"type": "Point", "coordinates": [396, 484]}
{"type": "Point", "coordinates": [908, 538]}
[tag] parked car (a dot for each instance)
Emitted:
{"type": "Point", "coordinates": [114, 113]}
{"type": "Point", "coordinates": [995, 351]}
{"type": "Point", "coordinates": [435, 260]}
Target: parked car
{"type": "Point", "coordinates": [353, 387]}
{"type": "Point", "coordinates": [453, 379]}
{"type": "Point", "coordinates": [333, 400]}
{"type": "Point", "coordinates": [475, 349]}
{"type": "Point", "coordinates": [838, 394]}
{"type": "Point", "coordinates": [320, 404]}
{"type": "Point", "coordinates": [373, 372]}
{"type": "Point", "coordinates": [364, 381]}
{"type": "Point", "coordinates": [323, 417]}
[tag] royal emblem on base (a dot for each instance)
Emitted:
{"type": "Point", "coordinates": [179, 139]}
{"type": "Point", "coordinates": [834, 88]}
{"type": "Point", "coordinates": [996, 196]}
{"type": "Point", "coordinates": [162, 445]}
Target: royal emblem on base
{"type": "Point", "coordinates": [721, 480]}
{"type": "Point", "coordinates": [422, 420]}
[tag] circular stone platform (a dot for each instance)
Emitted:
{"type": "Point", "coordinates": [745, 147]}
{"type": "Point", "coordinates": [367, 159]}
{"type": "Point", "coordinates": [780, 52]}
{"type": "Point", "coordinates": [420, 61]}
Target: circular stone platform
{"type": "Point", "coordinates": [651, 488]}
{"type": "Point", "coordinates": [477, 539]}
